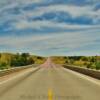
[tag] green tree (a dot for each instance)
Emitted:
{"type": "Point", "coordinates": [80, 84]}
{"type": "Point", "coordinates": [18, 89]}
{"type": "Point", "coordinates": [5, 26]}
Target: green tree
{"type": "Point", "coordinates": [91, 65]}
{"type": "Point", "coordinates": [98, 65]}
{"type": "Point", "coordinates": [3, 65]}
{"type": "Point", "coordinates": [30, 60]}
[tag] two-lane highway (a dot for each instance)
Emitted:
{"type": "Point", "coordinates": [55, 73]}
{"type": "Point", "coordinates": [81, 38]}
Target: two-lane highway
{"type": "Point", "coordinates": [51, 82]}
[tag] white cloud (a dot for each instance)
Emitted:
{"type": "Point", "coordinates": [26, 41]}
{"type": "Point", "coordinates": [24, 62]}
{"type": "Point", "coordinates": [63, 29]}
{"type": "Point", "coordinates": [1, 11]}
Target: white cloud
{"type": "Point", "coordinates": [24, 24]}
{"type": "Point", "coordinates": [74, 11]}
{"type": "Point", "coordinates": [7, 4]}
{"type": "Point", "coordinates": [49, 42]}
{"type": "Point", "coordinates": [16, 41]}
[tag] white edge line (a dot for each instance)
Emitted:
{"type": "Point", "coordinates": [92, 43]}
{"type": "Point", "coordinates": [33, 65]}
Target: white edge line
{"type": "Point", "coordinates": [90, 79]}
{"type": "Point", "coordinates": [18, 75]}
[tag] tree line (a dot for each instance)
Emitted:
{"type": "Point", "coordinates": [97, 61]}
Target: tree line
{"type": "Point", "coordinates": [8, 60]}
{"type": "Point", "coordinates": [92, 62]}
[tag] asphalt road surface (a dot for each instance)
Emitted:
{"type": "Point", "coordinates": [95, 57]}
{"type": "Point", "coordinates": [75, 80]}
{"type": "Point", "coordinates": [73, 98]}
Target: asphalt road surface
{"type": "Point", "coordinates": [50, 82]}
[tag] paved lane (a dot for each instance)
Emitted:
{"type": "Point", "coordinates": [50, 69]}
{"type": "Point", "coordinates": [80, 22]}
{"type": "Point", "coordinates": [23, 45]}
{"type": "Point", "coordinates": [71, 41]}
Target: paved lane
{"type": "Point", "coordinates": [51, 82]}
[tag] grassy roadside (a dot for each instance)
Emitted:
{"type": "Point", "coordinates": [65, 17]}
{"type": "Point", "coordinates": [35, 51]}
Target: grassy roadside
{"type": "Point", "coordinates": [8, 60]}
{"type": "Point", "coordinates": [91, 62]}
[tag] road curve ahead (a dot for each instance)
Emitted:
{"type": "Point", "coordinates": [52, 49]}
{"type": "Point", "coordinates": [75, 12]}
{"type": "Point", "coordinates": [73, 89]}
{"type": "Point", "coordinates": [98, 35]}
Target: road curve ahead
{"type": "Point", "coordinates": [50, 82]}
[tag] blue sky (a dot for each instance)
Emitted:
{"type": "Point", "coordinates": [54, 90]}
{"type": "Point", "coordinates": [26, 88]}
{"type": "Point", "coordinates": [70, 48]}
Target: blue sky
{"type": "Point", "coordinates": [50, 27]}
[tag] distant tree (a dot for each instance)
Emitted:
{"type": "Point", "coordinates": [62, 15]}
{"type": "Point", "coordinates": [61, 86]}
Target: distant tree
{"type": "Point", "coordinates": [39, 58]}
{"type": "Point", "coordinates": [3, 65]}
{"type": "Point", "coordinates": [8, 60]}
{"type": "Point", "coordinates": [93, 59]}
{"type": "Point", "coordinates": [0, 55]}
{"type": "Point", "coordinates": [65, 57]}
{"type": "Point", "coordinates": [31, 61]}
{"type": "Point", "coordinates": [66, 61]}
{"type": "Point", "coordinates": [98, 65]}
{"type": "Point", "coordinates": [84, 58]}
{"type": "Point", "coordinates": [25, 55]}
{"type": "Point", "coordinates": [19, 60]}
{"type": "Point", "coordinates": [91, 65]}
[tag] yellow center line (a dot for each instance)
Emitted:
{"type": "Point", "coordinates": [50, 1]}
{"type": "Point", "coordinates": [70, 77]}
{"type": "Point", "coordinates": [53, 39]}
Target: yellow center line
{"type": "Point", "coordinates": [50, 94]}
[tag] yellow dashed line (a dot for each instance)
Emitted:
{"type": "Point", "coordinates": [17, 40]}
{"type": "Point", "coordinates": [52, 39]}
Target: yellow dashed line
{"type": "Point", "coordinates": [50, 94]}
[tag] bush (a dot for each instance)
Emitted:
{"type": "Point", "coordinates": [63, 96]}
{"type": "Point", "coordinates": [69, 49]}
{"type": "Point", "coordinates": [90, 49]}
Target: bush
{"type": "Point", "coordinates": [3, 66]}
{"type": "Point", "coordinates": [98, 65]}
{"type": "Point", "coordinates": [91, 65]}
